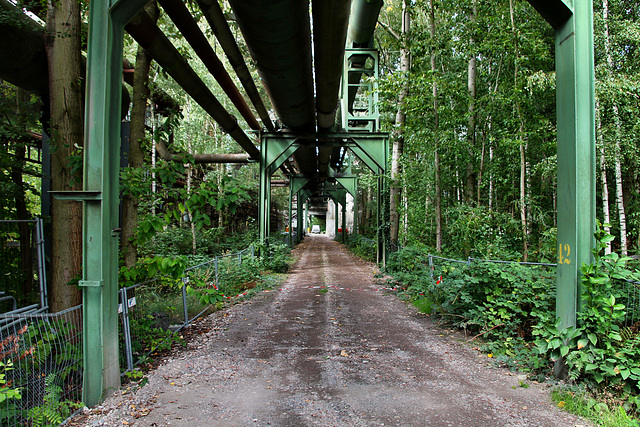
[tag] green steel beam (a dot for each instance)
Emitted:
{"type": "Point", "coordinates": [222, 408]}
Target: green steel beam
{"type": "Point", "coordinates": [274, 152]}
{"type": "Point", "coordinates": [101, 186]}
{"type": "Point", "coordinates": [556, 12]}
{"type": "Point", "coordinates": [349, 183]}
{"type": "Point", "coordinates": [575, 104]}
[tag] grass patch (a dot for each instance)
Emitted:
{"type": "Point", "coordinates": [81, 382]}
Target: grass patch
{"type": "Point", "coordinates": [579, 403]}
{"type": "Point", "coordinates": [424, 305]}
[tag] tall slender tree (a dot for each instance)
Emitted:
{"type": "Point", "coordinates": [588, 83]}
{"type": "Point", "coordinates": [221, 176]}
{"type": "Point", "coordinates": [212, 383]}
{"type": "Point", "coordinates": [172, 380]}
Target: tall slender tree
{"type": "Point", "coordinates": [66, 128]}
{"type": "Point", "coordinates": [395, 190]}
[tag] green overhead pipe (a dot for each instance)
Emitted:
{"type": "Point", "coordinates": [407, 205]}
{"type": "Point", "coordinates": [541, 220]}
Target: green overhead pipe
{"type": "Point", "coordinates": [330, 21]}
{"type": "Point", "coordinates": [183, 19]}
{"type": "Point", "coordinates": [218, 23]}
{"type": "Point", "coordinates": [362, 24]}
{"type": "Point", "coordinates": [151, 38]}
{"type": "Point", "coordinates": [164, 152]}
{"type": "Point", "coordinates": [278, 35]}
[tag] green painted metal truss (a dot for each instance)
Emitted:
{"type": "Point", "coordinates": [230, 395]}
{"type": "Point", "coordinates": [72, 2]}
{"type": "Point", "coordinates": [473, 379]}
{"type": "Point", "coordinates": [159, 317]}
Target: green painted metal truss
{"type": "Point", "coordinates": [572, 21]}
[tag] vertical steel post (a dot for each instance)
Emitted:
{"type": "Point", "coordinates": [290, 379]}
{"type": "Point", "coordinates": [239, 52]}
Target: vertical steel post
{"type": "Point", "coordinates": [344, 220]}
{"type": "Point", "coordinates": [290, 221]}
{"type": "Point", "coordinates": [264, 202]}
{"type": "Point", "coordinates": [575, 104]}
{"type": "Point", "coordinates": [100, 212]}
{"type": "Point", "coordinates": [215, 266]}
{"type": "Point", "coordinates": [126, 328]}
{"type": "Point", "coordinates": [185, 309]}
{"type": "Point", "coordinates": [336, 219]}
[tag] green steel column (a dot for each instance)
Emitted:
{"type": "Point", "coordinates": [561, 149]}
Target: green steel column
{"type": "Point", "coordinates": [290, 221]}
{"type": "Point", "coordinates": [344, 220]}
{"type": "Point", "coordinates": [576, 155]}
{"type": "Point", "coordinates": [274, 150]}
{"type": "Point", "coordinates": [355, 214]}
{"type": "Point", "coordinates": [380, 255]}
{"type": "Point", "coordinates": [335, 220]}
{"type": "Point", "coordinates": [265, 192]}
{"type": "Point", "coordinates": [299, 221]}
{"type": "Point", "coordinates": [100, 194]}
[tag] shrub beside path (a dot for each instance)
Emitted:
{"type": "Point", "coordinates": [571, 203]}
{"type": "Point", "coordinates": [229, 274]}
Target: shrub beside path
{"type": "Point", "coordinates": [329, 349]}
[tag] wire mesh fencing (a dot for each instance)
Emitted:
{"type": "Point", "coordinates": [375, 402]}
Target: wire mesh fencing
{"type": "Point", "coordinates": [625, 292]}
{"type": "Point", "coordinates": [153, 311]}
{"type": "Point", "coordinates": [630, 296]}
{"type": "Point", "coordinates": [40, 367]}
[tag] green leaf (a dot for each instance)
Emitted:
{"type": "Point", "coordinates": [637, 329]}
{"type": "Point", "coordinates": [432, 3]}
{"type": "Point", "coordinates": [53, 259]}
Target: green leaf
{"type": "Point", "coordinates": [624, 373]}
{"type": "Point", "coordinates": [564, 350]}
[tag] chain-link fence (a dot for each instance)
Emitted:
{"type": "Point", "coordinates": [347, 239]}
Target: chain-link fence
{"type": "Point", "coordinates": [153, 311]}
{"type": "Point", "coordinates": [40, 367]}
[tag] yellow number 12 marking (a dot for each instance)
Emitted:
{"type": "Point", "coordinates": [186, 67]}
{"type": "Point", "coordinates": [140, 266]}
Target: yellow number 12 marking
{"type": "Point", "coordinates": [564, 252]}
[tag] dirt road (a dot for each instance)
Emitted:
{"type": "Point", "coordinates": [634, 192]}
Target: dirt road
{"type": "Point", "coordinates": [348, 354]}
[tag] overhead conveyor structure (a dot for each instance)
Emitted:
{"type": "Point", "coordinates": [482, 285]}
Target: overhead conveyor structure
{"type": "Point", "coordinates": [325, 112]}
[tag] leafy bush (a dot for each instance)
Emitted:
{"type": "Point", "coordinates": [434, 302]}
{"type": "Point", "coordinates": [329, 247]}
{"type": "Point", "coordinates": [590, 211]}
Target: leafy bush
{"type": "Point", "coordinates": [362, 247]}
{"type": "Point", "coordinates": [274, 256]}
{"type": "Point", "coordinates": [601, 350]}
{"type": "Point", "coordinates": [483, 233]}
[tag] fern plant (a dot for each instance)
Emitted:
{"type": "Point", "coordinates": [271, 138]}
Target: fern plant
{"type": "Point", "coordinates": [53, 410]}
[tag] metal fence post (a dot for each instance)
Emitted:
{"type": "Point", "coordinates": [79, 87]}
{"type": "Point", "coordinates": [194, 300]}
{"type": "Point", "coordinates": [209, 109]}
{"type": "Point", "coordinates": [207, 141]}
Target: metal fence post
{"type": "Point", "coordinates": [215, 263]}
{"type": "Point", "coordinates": [431, 265]}
{"type": "Point", "coordinates": [239, 258]}
{"type": "Point", "coordinates": [126, 328]}
{"type": "Point", "coordinates": [185, 280]}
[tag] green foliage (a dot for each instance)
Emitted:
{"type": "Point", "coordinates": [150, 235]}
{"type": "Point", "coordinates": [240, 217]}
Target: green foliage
{"type": "Point", "coordinates": [503, 302]}
{"type": "Point", "coordinates": [482, 233]}
{"type": "Point", "coordinates": [602, 351]}
{"type": "Point", "coordinates": [168, 271]}
{"type": "Point", "coordinates": [174, 241]}
{"type": "Point", "coordinates": [54, 409]}
{"type": "Point", "coordinates": [46, 351]}
{"type": "Point", "coordinates": [274, 256]}
{"type": "Point", "coordinates": [580, 403]}
{"type": "Point", "coordinates": [362, 247]}
{"type": "Point", "coordinates": [6, 391]}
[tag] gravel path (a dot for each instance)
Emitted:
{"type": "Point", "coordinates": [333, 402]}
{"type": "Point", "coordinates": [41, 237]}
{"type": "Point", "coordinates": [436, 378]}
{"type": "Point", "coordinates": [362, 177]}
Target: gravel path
{"type": "Point", "coordinates": [348, 354]}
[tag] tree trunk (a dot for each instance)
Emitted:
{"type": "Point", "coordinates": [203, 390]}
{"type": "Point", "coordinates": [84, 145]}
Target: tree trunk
{"type": "Point", "coordinates": [436, 125]}
{"type": "Point", "coordinates": [62, 41]}
{"type": "Point", "coordinates": [141, 94]}
{"type": "Point", "coordinates": [603, 175]}
{"type": "Point", "coordinates": [617, 152]}
{"type": "Point", "coordinates": [395, 189]}
{"type": "Point", "coordinates": [470, 181]}
{"type": "Point", "coordinates": [521, 137]}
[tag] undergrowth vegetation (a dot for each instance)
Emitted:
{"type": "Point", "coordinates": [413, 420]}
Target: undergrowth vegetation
{"type": "Point", "coordinates": [508, 310]}
{"type": "Point", "coordinates": [216, 280]}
